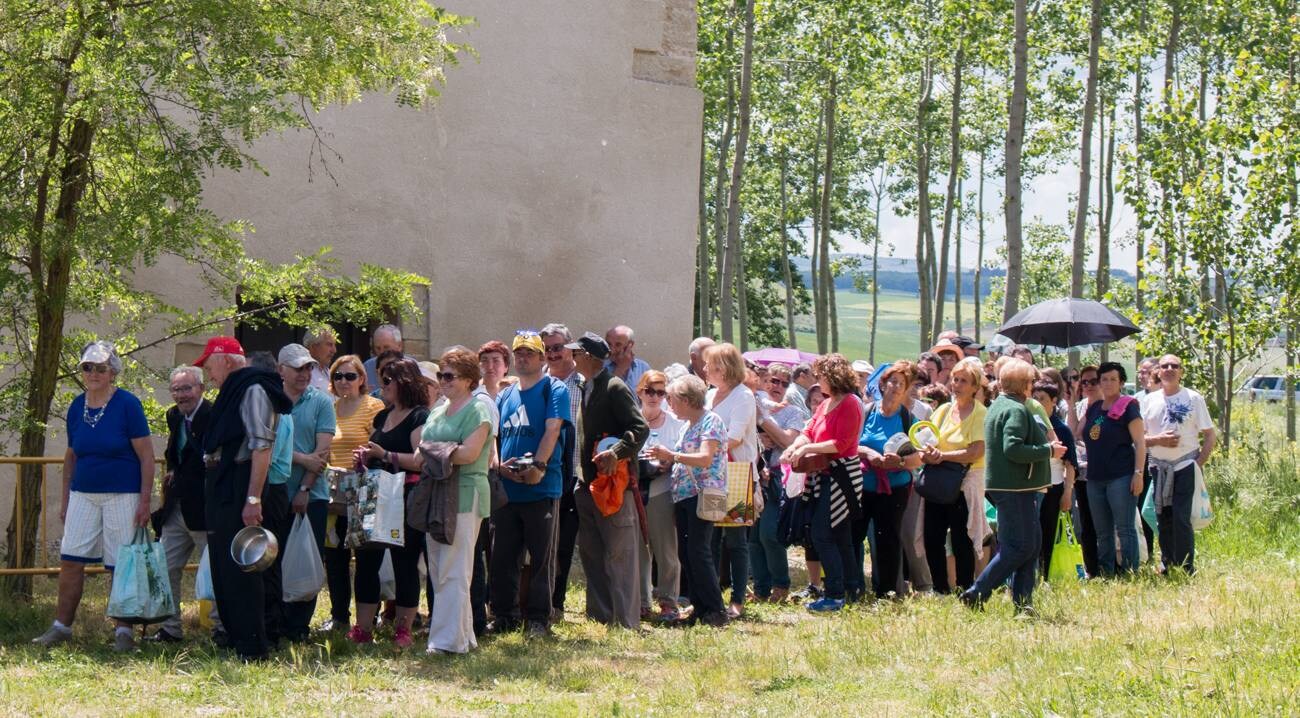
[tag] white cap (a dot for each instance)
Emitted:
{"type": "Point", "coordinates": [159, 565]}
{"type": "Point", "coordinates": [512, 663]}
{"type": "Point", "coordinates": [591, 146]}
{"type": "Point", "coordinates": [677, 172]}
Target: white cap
{"type": "Point", "coordinates": [862, 366]}
{"type": "Point", "coordinates": [101, 352]}
{"type": "Point", "coordinates": [295, 356]}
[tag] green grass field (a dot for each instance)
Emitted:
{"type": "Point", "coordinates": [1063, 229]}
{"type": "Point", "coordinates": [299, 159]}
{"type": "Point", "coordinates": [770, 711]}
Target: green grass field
{"type": "Point", "coordinates": [897, 328]}
{"type": "Point", "coordinates": [1225, 642]}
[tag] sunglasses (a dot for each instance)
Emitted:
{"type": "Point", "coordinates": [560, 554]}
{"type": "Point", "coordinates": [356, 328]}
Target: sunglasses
{"type": "Point", "coordinates": [345, 376]}
{"type": "Point", "coordinates": [387, 380]}
{"type": "Point", "coordinates": [446, 376]}
{"type": "Point", "coordinates": [654, 392]}
{"type": "Point", "coordinates": [88, 368]}
{"type": "Point", "coordinates": [777, 380]}
{"type": "Point", "coordinates": [553, 348]}
{"type": "Point", "coordinates": [1171, 365]}
{"type": "Point", "coordinates": [1089, 382]}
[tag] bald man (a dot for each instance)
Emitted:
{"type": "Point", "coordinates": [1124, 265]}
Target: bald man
{"type": "Point", "coordinates": [622, 361]}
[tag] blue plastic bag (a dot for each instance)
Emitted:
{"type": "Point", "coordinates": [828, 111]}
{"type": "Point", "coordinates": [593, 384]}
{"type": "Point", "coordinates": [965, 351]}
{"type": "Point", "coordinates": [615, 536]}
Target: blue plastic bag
{"type": "Point", "coordinates": [203, 579]}
{"type": "Point", "coordinates": [141, 590]}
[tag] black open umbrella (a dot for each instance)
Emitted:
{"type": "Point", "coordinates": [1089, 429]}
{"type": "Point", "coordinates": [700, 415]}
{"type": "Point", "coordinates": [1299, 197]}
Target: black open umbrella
{"type": "Point", "coordinates": [1067, 323]}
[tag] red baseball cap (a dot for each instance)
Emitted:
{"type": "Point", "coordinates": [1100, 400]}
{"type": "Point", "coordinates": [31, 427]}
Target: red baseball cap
{"type": "Point", "coordinates": [220, 345]}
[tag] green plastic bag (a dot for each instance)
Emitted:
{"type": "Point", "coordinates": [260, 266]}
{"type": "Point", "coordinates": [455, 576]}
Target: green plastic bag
{"type": "Point", "coordinates": [1149, 509]}
{"type": "Point", "coordinates": [1067, 554]}
{"type": "Point", "coordinates": [142, 592]}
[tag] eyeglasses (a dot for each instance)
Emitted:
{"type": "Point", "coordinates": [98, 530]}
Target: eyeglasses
{"type": "Point", "coordinates": [654, 392]}
{"type": "Point", "coordinates": [777, 380]}
{"type": "Point", "coordinates": [89, 368]}
{"type": "Point", "coordinates": [345, 376]}
{"type": "Point", "coordinates": [183, 388]}
{"type": "Point", "coordinates": [553, 348]}
{"type": "Point", "coordinates": [446, 376]}
{"type": "Point", "coordinates": [1171, 365]}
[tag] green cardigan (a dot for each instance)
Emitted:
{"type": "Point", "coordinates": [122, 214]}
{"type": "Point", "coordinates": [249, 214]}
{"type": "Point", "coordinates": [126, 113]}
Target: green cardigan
{"type": "Point", "coordinates": [1016, 451]}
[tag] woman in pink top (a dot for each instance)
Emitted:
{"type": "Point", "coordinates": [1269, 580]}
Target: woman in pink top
{"type": "Point", "coordinates": [836, 490]}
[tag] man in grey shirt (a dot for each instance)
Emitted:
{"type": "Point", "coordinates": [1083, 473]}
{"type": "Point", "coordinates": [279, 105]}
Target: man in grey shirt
{"type": "Point", "coordinates": [237, 452]}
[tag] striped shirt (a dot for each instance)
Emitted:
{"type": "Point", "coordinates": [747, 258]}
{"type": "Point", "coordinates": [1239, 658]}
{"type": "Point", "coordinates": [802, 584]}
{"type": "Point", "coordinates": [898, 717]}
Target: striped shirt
{"type": "Point", "coordinates": [353, 431]}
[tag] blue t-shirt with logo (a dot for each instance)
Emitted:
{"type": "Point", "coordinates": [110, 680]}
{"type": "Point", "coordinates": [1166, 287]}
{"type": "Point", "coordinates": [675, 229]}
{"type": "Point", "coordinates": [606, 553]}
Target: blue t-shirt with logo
{"type": "Point", "coordinates": [523, 422]}
{"type": "Point", "coordinates": [106, 461]}
{"type": "Point", "coordinates": [876, 431]}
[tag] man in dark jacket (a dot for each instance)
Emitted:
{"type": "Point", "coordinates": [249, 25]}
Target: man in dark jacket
{"type": "Point", "coordinates": [237, 452]}
{"type": "Point", "coordinates": [608, 545]}
{"type": "Point", "coordinates": [180, 523]}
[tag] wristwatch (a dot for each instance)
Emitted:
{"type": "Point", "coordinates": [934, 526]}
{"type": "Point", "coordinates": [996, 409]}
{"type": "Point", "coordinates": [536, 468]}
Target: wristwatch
{"type": "Point", "coordinates": [254, 501]}
{"type": "Point", "coordinates": [303, 488]}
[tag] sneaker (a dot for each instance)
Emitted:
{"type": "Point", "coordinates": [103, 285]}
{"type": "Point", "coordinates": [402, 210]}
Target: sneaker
{"type": "Point", "coordinates": [360, 635]}
{"type": "Point", "coordinates": [402, 637]}
{"type": "Point", "coordinates": [123, 642]}
{"type": "Point", "coordinates": [826, 605]}
{"type": "Point", "coordinates": [163, 636]}
{"type": "Point", "coordinates": [53, 637]}
{"type": "Point", "coordinates": [538, 629]}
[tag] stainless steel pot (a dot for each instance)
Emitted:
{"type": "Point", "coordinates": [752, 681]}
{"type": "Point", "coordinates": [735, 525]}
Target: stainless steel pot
{"type": "Point", "coordinates": [254, 549]}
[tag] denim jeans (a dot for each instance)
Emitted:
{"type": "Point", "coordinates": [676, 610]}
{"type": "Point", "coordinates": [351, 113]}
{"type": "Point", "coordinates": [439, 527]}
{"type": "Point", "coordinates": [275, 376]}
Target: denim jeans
{"type": "Point", "coordinates": [736, 540]}
{"type": "Point", "coordinates": [834, 546]}
{"type": "Point", "coordinates": [1177, 539]}
{"type": "Point", "coordinates": [1114, 510]}
{"type": "Point", "coordinates": [697, 542]}
{"type": "Point", "coordinates": [766, 552]}
{"type": "Point", "coordinates": [1019, 541]}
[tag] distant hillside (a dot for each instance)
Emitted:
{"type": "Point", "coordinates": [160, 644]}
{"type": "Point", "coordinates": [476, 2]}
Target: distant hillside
{"type": "Point", "coordinates": [899, 275]}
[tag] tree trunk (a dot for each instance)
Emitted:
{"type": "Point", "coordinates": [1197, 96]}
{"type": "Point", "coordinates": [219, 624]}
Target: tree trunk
{"type": "Point", "coordinates": [704, 315]}
{"type": "Point", "coordinates": [875, 269]}
{"type": "Point", "coordinates": [51, 267]}
{"type": "Point", "coordinates": [720, 199]}
{"type": "Point", "coordinates": [785, 255]}
{"type": "Point", "coordinates": [828, 175]}
{"type": "Point", "coordinates": [957, 290]}
{"type": "Point", "coordinates": [1139, 232]}
{"type": "Point", "coordinates": [923, 229]}
{"type": "Point", "coordinates": [814, 209]}
{"type": "Point", "coordinates": [950, 199]}
{"type": "Point", "coordinates": [1105, 215]}
{"type": "Point", "coordinates": [1014, 146]}
{"type": "Point", "coordinates": [979, 249]}
{"type": "Point", "coordinates": [1085, 161]}
{"type": "Point", "coordinates": [1167, 190]}
{"type": "Point", "coordinates": [731, 269]}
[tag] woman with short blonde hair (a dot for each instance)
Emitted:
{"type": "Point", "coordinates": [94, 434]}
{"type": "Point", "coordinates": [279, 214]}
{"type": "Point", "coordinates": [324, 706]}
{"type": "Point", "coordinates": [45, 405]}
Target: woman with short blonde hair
{"type": "Point", "coordinates": [734, 403]}
{"type": "Point", "coordinates": [728, 360]}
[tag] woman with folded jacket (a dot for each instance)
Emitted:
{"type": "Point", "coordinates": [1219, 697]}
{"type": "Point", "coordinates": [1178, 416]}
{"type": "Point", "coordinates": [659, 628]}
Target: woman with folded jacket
{"type": "Point", "coordinates": [961, 449]}
{"type": "Point", "coordinates": [466, 422]}
{"type": "Point", "coordinates": [830, 443]}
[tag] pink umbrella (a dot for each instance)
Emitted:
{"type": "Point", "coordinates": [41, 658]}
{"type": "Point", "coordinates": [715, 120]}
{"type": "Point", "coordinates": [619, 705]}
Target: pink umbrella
{"type": "Point", "coordinates": [783, 355]}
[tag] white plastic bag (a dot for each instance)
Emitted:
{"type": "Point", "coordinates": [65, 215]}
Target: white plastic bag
{"type": "Point", "coordinates": [794, 481]}
{"type": "Point", "coordinates": [378, 516]}
{"type": "Point", "coordinates": [203, 580]}
{"type": "Point", "coordinates": [1202, 512]}
{"type": "Point", "coordinates": [387, 580]}
{"type": "Point", "coordinates": [303, 574]}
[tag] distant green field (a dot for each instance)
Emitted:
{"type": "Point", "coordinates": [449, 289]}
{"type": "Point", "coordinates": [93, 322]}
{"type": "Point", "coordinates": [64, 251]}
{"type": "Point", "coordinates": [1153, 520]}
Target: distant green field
{"type": "Point", "coordinates": [898, 330]}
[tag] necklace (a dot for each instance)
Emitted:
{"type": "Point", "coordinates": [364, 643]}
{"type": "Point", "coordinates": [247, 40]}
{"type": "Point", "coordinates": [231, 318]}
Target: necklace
{"type": "Point", "coordinates": [92, 420]}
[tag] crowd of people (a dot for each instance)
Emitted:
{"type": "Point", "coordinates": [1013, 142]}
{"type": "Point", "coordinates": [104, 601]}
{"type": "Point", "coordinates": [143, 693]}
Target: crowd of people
{"type": "Point", "coordinates": [562, 443]}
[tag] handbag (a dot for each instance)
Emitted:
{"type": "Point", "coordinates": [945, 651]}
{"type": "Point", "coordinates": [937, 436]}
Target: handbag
{"type": "Point", "coordinates": [741, 507]}
{"type": "Point", "coordinates": [811, 463]}
{"type": "Point", "coordinates": [142, 591]}
{"type": "Point", "coordinates": [1067, 554]}
{"type": "Point", "coordinates": [792, 527]}
{"type": "Point", "coordinates": [498, 490]}
{"type": "Point", "coordinates": [302, 574]}
{"type": "Point", "coordinates": [941, 482]}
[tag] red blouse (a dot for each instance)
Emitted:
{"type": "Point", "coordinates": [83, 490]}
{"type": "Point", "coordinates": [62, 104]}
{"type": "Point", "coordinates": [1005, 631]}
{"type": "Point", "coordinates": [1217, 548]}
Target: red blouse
{"type": "Point", "coordinates": [843, 425]}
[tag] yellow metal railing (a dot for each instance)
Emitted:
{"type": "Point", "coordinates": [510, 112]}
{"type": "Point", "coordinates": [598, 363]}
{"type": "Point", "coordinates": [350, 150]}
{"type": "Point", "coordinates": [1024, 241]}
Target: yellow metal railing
{"type": "Point", "coordinates": [45, 569]}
